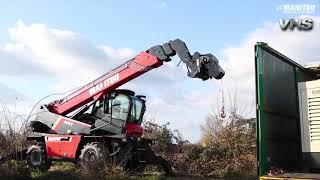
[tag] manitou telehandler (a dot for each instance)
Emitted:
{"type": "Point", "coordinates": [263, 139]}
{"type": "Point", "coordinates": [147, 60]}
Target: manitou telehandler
{"type": "Point", "coordinates": [99, 122]}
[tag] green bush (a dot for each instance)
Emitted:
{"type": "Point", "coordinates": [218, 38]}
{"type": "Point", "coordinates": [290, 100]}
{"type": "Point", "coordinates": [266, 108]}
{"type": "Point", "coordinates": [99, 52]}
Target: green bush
{"type": "Point", "coordinates": [225, 150]}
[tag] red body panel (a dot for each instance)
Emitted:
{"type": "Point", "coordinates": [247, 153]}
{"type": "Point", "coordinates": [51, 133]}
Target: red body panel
{"type": "Point", "coordinates": [62, 146]}
{"type": "Point", "coordinates": [69, 122]}
{"type": "Point", "coordinates": [142, 63]}
{"type": "Point", "coordinates": [134, 130]}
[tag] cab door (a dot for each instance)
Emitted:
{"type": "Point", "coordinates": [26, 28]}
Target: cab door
{"type": "Point", "coordinates": [118, 108]}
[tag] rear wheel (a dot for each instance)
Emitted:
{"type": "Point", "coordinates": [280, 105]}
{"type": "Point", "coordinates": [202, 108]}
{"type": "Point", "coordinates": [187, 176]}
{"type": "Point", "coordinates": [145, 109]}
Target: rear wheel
{"type": "Point", "coordinates": [94, 155]}
{"type": "Point", "coordinates": [37, 158]}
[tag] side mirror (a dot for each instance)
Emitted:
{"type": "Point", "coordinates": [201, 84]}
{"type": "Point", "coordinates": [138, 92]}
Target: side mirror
{"type": "Point", "coordinates": [142, 97]}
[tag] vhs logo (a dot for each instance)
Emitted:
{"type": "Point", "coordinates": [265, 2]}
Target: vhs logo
{"type": "Point", "coordinates": [302, 24]}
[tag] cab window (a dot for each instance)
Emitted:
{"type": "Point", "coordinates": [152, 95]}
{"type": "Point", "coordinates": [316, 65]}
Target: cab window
{"type": "Point", "coordinates": [136, 110]}
{"type": "Point", "coordinates": [120, 107]}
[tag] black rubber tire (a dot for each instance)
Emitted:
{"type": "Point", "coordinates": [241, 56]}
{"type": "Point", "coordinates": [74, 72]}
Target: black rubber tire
{"type": "Point", "coordinates": [37, 158]}
{"type": "Point", "coordinates": [93, 154]}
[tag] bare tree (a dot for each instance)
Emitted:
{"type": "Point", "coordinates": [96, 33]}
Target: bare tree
{"type": "Point", "coordinates": [13, 131]}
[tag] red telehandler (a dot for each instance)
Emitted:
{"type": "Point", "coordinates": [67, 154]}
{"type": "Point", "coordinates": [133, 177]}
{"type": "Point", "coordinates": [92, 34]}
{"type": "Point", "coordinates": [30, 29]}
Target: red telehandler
{"type": "Point", "coordinates": [99, 122]}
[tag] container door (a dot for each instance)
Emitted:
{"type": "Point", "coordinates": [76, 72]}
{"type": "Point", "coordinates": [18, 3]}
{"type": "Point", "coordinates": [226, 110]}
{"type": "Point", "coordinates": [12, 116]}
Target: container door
{"type": "Point", "coordinates": [278, 129]}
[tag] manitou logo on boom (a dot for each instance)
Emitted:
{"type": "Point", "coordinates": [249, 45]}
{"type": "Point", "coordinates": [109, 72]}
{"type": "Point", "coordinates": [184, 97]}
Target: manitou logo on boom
{"type": "Point", "coordinates": [100, 86]}
{"type": "Point", "coordinates": [302, 24]}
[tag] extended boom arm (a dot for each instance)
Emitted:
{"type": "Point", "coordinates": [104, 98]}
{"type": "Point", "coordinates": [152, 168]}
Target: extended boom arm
{"type": "Point", "coordinates": [203, 66]}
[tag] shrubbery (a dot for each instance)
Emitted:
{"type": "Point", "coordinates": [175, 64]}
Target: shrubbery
{"type": "Point", "coordinates": [226, 149]}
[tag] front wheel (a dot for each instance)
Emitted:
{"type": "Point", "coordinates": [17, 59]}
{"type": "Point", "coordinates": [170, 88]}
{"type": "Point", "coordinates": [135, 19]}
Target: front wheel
{"type": "Point", "coordinates": [36, 157]}
{"type": "Point", "coordinates": [94, 155]}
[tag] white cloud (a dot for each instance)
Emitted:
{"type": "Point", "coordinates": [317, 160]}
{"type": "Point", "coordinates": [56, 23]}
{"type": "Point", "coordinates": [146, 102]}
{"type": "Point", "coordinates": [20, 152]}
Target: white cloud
{"type": "Point", "coordinates": [238, 61]}
{"type": "Point", "coordinates": [62, 54]}
{"type": "Point", "coordinates": [62, 57]}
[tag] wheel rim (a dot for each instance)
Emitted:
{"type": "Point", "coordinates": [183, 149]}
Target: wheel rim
{"type": "Point", "coordinates": [90, 156]}
{"type": "Point", "coordinates": [35, 158]}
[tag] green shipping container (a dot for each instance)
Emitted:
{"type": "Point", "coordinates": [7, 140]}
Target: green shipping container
{"type": "Point", "coordinates": [278, 121]}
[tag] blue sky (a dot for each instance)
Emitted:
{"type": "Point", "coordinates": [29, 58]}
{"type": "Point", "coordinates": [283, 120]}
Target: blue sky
{"type": "Point", "coordinates": [207, 24]}
{"type": "Point", "coordinates": [227, 29]}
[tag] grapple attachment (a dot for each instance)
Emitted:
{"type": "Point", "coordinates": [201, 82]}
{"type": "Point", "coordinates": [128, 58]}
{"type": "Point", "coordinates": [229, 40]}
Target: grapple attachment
{"type": "Point", "coordinates": [202, 66]}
